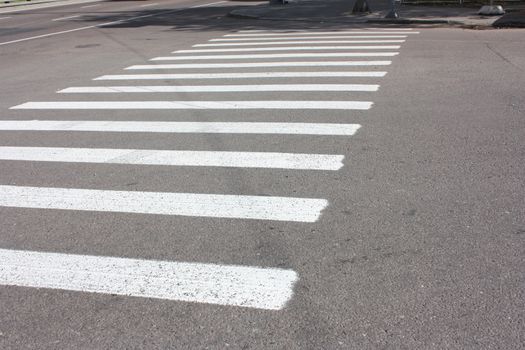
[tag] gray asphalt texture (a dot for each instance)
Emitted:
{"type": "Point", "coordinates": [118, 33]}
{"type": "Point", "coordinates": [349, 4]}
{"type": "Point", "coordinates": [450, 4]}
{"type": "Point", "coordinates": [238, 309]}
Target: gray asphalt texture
{"type": "Point", "coordinates": [421, 247]}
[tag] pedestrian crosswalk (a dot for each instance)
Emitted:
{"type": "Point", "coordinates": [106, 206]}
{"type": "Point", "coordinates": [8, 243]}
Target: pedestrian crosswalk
{"type": "Point", "coordinates": [261, 288]}
{"type": "Point", "coordinates": [269, 55]}
{"type": "Point", "coordinates": [259, 64]}
{"type": "Point", "coordinates": [310, 42]}
{"type": "Point", "coordinates": [258, 75]}
{"type": "Point", "coordinates": [271, 160]}
{"type": "Point", "coordinates": [160, 203]}
{"type": "Point", "coordinates": [294, 48]}
{"type": "Point", "coordinates": [147, 104]}
{"type": "Point", "coordinates": [390, 36]}
{"type": "Point", "coordinates": [221, 88]}
{"type": "Point", "coordinates": [182, 127]}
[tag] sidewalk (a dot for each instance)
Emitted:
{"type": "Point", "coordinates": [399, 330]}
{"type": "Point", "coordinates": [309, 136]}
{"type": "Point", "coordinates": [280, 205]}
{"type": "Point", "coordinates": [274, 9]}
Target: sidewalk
{"type": "Point", "coordinates": [340, 11]}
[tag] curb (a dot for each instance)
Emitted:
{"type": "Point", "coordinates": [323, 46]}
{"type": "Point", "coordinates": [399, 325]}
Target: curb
{"type": "Point", "coordinates": [241, 16]}
{"type": "Point", "coordinates": [319, 20]}
{"type": "Point", "coordinates": [412, 21]}
{"type": "Point", "coordinates": [235, 14]}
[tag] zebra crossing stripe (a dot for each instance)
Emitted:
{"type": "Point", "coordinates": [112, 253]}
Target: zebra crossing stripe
{"type": "Point", "coordinates": [327, 129]}
{"type": "Point", "coordinates": [295, 48]}
{"type": "Point", "coordinates": [276, 55]}
{"type": "Point", "coordinates": [314, 38]}
{"type": "Point", "coordinates": [252, 287]}
{"type": "Point", "coordinates": [222, 88]}
{"type": "Point", "coordinates": [164, 203]}
{"type": "Point", "coordinates": [347, 105]}
{"type": "Point", "coordinates": [340, 74]}
{"type": "Point", "coordinates": [353, 32]}
{"type": "Point", "coordinates": [271, 160]}
{"type": "Point", "coordinates": [260, 64]}
{"type": "Point", "coordinates": [306, 31]}
{"type": "Point", "coordinates": [301, 42]}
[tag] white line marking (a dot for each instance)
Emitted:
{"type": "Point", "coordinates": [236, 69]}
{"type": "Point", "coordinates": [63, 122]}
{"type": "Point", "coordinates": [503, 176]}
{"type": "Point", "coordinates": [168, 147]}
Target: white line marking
{"type": "Point", "coordinates": [330, 129]}
{"type": "Point", "coordinates": [270, 160]}
{"type": "Point", "coordinates": [50, 34]}
{"type": "Point", "coordinates": [302, 43]}
{"type": "Point", "coordinates": [211, 3]}
{"type": "Point", "coordinates": [64, 18]}
{"type": "Point", "coordinates": [306, 38]}
{"type": "Point", "coordinates": [196, 105]}
{"type": "Point", "coordinates": [147, 5]}
{"type": "Point", "coordinates": [306, 31]}
{"type": "Point", "coordinates": [261, 64]}
{"type": "Point", "coordinates": [352, 32]}
{"type": "Point", "coordinates": [277, 55]}
{"type": "Point", "coordinates": [43, 5]}
{"type": "Point", "coordinates": [87, 6]}
{"type": "Point", "coordinates": [165, 203]}
{"type": "Point", "coordinates": [294, 48]}
{"type": "Point", "coordinates": [93, 26]}
{"type": "Point", "coordinates": [376, 74]}
{"type": "Point", "coordinates": [245, 286]}
{"type": "Point", "coordinates": [222, 88]}
{"type": "Point", "coordinates": [5, 17]}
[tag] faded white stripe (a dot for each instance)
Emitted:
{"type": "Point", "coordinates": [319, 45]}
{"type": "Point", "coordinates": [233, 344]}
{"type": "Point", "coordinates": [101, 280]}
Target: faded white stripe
{"type": "Point", "coordinates": [296, 48]}
{"type": "Point", "coordinates": [353, 32]}
{"type": "Point", "coordinates": [301, 43]}
{"type": "Point", "coordinates": [211, 3]}
{"type": "Point", "coordinates": [254, 287]}
{"type": "Point", "coordinates": [314, 38]}
{"type": "Point", "coordinates": [272, 160]}
{"type": "Point", "coordinates": [306, 31]}
{"type": "Point", "coordinates": [222, 88]}
{"type": "Point", "coordinates": [261, 64]}
{"type": "Point", "coordinates": [276, 55]}
{"type": "Point", "coordinates": [331, 129]}
{"type": "Point", "coordinates": [64, 18]}
{"type": "Point", "coordinates": [165, 203]}
{"type": "Point", "coordinates": [196, 105]}
{"type": "Point", "coordinates": [341, 74]}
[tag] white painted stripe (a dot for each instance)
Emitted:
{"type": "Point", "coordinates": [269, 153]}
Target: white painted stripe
{"type": "Point", "coordinates": [276, 55]}
{"type": "Point", "coordinates": [270, 160]}
{"type": "Point", "coordinates": [42, 5]}
{"type": "Point", "coordinates": [87, 6]}
{"type": "Point", "coordinates": [5, 17]}
{"type": "Point", "coordinates": [101, 25]}
{"type": "Point", "coordinates": [64, 18]}
{"type": "Point", "coordinates": [306, 31]}
{"type": "Point", "coordinates": [222, 88]}
{"type": "Point", "coordinates": [55, 33]}
{"type": "Point", "coordinates": [353, 32]}
{"type": "Point", "coordinates": [331, 129]}
{"type": "Point", "coordinates": [196, 105]}
{"type": "Point", "coordinates": [341, 74]}
{"type": "Point", "coordinates": [314, 38]}
{"type": "Point", "coordinates": [302, 43]}
{"type": "Point", "coordinates": [296, 48]}
{"type": "Point", "coordinates": [147, 5]}
{"type": "Point", "coordinates": [261, 64]}
{"type": "Point", "coordinates": [165, 203]}
{"type": "Point", "coordinates": [211, 3]}
{"type": "Point", "coordinates": [253, 287]}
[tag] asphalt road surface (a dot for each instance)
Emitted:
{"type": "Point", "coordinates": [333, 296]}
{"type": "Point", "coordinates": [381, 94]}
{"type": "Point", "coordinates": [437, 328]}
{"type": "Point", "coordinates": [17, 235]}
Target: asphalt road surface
{"type": "Point", "coordinates": [171, 178]}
